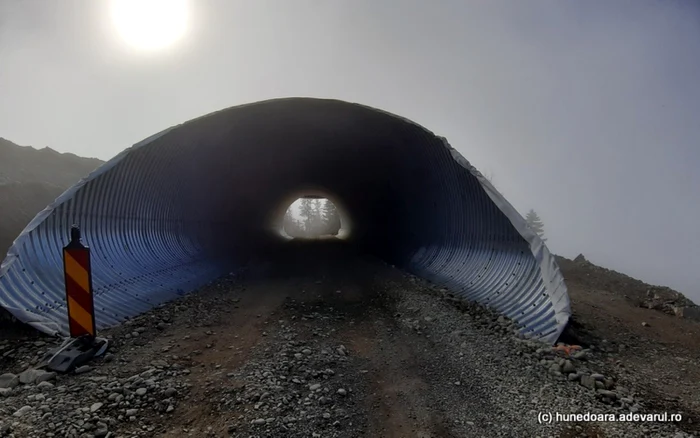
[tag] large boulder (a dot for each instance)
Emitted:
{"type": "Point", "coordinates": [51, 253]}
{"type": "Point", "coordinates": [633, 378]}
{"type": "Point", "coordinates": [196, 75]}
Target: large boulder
{"type": "Point", "coordinates": [670, 302]}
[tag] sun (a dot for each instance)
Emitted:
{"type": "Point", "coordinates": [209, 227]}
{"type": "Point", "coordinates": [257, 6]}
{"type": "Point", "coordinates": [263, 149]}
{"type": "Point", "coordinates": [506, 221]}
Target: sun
{"type": "Point", "coordinates": [150, 24]}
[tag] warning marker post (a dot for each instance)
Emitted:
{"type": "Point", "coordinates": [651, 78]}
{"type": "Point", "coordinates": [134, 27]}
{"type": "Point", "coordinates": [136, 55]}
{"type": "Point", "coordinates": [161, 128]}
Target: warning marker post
{"type": "Point", "coordinates": [83, 343]}
{"type": "Point", "coordinates": [78, 277]}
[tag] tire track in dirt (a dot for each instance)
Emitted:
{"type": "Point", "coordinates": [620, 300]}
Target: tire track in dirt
{"type": "Point", "coordinates": [398, 405]}
{"type": "Point", "coordinates": [398, 402]}
{"type": "Point", "coordinates": [214, 349]}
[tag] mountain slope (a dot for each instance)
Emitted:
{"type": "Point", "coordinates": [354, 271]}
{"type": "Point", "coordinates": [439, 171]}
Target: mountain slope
{"type": "Point", "coordinates": [25, 164]}
{"type": "Point", "coordinates": [30, 179]}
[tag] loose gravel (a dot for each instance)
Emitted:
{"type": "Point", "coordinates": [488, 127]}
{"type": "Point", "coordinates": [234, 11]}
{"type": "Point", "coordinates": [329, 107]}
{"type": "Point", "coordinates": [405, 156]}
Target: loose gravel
{"type": "Point", "coordinates": [318, 343]}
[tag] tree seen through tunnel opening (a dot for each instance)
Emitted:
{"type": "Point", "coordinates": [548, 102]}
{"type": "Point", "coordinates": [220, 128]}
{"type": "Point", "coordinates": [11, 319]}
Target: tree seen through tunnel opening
{"type": "Point", "coordinates": [310, 217]}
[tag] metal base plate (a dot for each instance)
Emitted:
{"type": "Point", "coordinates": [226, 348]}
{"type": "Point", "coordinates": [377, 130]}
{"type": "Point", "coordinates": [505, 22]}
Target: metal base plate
{"type": "Point", "coordinates": [74, 353]}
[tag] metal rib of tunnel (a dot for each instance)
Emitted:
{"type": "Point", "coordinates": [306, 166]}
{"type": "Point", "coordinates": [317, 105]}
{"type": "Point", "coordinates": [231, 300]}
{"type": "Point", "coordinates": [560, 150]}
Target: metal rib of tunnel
{"type": "Point", "coordinates": [182, 207]}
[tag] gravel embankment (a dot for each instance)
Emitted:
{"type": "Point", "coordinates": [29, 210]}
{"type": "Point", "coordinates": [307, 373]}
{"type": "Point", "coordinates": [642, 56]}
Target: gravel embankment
{"type": "Point", "coordinates": [322, 344]}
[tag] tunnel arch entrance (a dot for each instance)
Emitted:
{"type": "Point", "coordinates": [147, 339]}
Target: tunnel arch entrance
{"type": "Point", "coordinates": [185, 205]}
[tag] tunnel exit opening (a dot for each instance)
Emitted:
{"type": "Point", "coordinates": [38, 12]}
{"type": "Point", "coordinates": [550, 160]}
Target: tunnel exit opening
{"type": "Point", "coordinates": [312, 217]}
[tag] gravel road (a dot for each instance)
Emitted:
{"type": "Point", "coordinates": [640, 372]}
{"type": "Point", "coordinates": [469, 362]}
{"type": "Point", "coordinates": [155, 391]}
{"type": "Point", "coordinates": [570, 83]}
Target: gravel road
{"type": "Point", "coordinates": [316, 341]}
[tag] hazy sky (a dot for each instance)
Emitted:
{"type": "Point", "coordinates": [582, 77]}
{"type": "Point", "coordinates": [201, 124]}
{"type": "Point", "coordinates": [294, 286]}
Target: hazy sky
{"type": "Point", "coordinates": [587, 111]}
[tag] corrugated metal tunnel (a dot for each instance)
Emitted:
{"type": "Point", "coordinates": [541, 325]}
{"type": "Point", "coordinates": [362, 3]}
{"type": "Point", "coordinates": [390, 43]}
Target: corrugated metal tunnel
{"type": "Point", "coordinates": [186, 205]}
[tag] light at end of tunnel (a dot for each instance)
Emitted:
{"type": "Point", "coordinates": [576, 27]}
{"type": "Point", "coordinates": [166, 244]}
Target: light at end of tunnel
{"type": "Point", "coordinates": [312, 214]}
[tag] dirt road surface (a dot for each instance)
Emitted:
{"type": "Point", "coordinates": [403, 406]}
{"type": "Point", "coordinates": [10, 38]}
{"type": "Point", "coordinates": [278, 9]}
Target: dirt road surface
{"type": "Point", "coordinates": [316, 341]}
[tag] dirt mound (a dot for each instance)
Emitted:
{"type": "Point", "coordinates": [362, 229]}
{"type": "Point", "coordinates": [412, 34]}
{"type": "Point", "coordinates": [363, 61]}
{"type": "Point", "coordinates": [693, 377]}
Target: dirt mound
{"type": "Point", "coordinates": [636, 328]}
{"type": "Point", "coordinates": [640, 294]}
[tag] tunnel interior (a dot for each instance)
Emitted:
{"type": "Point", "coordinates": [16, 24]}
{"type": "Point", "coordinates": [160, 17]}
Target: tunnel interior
{"type": "Point", "coordinates": [198, 200]}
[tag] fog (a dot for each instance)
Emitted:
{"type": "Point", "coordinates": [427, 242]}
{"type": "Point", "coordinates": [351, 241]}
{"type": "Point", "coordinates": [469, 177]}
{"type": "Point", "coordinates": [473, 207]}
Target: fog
{"type": "Point", "coordinates": [588, 112]}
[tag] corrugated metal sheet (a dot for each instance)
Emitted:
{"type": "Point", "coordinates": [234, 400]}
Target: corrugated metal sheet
{"type": "Point", "coordinates": [193, 202]}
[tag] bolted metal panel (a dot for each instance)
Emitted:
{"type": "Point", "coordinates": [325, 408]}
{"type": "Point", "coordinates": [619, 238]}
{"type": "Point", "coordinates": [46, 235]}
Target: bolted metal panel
{"type": "Point", "coordinates": [193, 202]}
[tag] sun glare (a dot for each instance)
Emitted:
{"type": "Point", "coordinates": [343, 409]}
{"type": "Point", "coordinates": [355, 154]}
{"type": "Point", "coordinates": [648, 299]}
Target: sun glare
{"type": "Point", "coordinates": [150, 24]}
